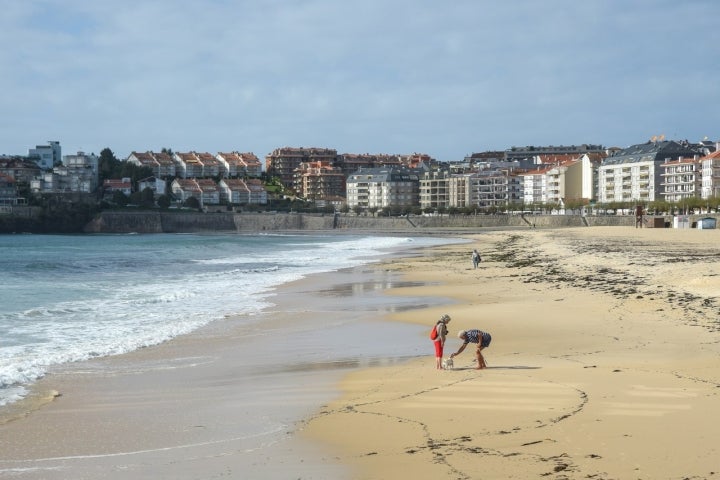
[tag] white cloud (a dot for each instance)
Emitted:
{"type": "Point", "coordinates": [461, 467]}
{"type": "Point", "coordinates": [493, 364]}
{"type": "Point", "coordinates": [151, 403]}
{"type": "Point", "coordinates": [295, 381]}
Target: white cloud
{"type": "Point", "coordinates": [446, 78]}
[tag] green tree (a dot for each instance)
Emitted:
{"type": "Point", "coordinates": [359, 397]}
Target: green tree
{"type": "Point", "coordinates": [107, 164]}
{"type": "Point", "coordinates": [147, 198]}
{"type": "Point", "coordinates": [163, 201]}
{"type": "Point", "coordinates": [192, 202]}
{"type": "Point", "coordinates": [119, 198]}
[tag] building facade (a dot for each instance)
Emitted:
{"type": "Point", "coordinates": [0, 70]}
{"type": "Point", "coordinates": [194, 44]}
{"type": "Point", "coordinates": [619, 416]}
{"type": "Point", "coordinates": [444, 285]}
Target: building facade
{"type": "Point", "coordinates": [710, 165]}
{"type": "Point", "coordinates": [319, 181]}
{"type": "Point", "coordinates": [634, 174]}
{"type": "Point", "coordinates": [383, 188]}
{"type": "Point", "coordinates": [435, 190]}
{"type": "Point", "coordinates": [680, 179]}
{"type": "Point", "coordinates": [283, 162]}
{"type": "Point", "coordinates": [46, 156]}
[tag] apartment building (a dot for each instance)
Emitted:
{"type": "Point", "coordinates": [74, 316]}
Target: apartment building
{"type": "Point", "coordinates": [634, 173]}
{"type": "Point", "coordinates": [319, 181]}
{"type": "Point", "coordinates": [435, 189]}
{"type": "Point", "coordinates": [498, 188]}
{"type": "Point", "coordinates": [46, 156]}
{"type": "Point", "coordinates": [581, 178]}
{"type": "Point", "coordinates": [283, 162]}
{"type": "Point", "coordinates": [523, 153]}
{"type": "Point", "coordinates": [77, 173]}
{"type": "Point", "coordinates": [383, 188]}
{"type": "Point", "coordinates": [680, 179]}
{"type": "Point", "coordinates": [461, 193]}
{"type": "Point", "coordinates": [534, 185]}
{"type": "Point", "coordinates": [710, 168]}
{"type": "Point", "coordinates": [350, 163]}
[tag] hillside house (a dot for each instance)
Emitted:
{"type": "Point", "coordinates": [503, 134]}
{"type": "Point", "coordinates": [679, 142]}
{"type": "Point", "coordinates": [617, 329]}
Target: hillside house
{"type": "Point", "coordinates": [237, 191]}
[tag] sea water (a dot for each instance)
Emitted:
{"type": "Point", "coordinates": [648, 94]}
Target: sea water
{"type": "Point", "coordinates": [72, 298]}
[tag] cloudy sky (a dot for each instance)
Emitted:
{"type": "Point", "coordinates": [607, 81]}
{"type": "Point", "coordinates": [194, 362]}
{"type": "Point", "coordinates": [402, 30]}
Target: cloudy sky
{"type": "Point", "coordinates": [443, 77]}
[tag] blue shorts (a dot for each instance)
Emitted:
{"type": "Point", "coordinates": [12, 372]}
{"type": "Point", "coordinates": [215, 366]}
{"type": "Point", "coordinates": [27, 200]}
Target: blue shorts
{"type": "Point", "coordinates": [486, 339]}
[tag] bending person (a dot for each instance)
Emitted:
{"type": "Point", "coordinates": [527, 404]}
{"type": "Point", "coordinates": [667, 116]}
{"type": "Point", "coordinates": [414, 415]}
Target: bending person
{"type": "Point", "coordinates": [482, 339]}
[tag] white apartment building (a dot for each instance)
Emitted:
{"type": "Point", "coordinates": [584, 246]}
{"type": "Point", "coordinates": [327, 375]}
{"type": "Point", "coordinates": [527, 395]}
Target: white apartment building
{"type": "Point", "coordinates": [710, 168]}
{"type": "Point", "coordinates": [627, 182]}
{"type": "Point", "coordinates": [383, 188]}
{"type": "Point", "coordinates": [634, 174]}
{"type": "Point", "coordinates": [534, 186]}
{"type": "Point", "coordinates": [681, 179]}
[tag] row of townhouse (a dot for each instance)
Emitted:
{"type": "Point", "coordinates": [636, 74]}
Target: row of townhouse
{"type": "Point", "coordinates": [198, 164]}
{"type": "Point", "coordinates": [641, 173]}
{"type": "Point", "coordinates": [234, 191]}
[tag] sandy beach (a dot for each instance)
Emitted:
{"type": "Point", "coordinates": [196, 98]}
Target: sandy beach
{"type": "Point", "coordinates": [604, 364]}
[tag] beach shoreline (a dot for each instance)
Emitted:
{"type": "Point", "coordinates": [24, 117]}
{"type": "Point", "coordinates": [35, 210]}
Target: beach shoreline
{"type": "Point", "coordinates": [603, 363]}
{"type": "Point", "coordinates": [603, 341]}
{"type": "Point", "coordinates": [223, 400]}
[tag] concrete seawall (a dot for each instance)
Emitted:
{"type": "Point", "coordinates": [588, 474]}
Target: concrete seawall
{"type": "Point", "coordinates": [196, 222]}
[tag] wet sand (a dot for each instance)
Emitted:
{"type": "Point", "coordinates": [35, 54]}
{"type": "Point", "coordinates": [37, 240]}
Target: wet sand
{"type": "Point", "coordinates": [604, 364]}
{"type": "Point", "coordinates": [221, 402]}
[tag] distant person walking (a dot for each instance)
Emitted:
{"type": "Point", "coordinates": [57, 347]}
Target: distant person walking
{"type": "Point", "coordinates": [476, 259]}
{"type": "Point", "coordinates": [482, 339]}
{"type": "Point", "coordinates": [439, 340]}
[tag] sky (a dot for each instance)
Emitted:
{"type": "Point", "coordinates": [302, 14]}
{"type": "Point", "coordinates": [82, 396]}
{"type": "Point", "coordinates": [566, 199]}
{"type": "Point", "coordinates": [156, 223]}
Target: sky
{"type": "Point", "coordinates": [445, 78]}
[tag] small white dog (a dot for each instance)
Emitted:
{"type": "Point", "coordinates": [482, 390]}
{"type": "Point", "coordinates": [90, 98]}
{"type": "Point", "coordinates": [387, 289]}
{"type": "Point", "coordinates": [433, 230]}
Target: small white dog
{"type": "Point", "coordinates": [447, 363]}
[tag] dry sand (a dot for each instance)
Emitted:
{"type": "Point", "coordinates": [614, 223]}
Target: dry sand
{"type": "Point", "coordinates": [605, 363]}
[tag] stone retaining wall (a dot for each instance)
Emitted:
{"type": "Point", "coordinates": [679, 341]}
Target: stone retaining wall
{"type": "Point", "coordinates": [189, 222]}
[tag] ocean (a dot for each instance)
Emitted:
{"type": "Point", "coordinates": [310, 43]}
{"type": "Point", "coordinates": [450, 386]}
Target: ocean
{"type": "Point", "coordinates": [66, 299]}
